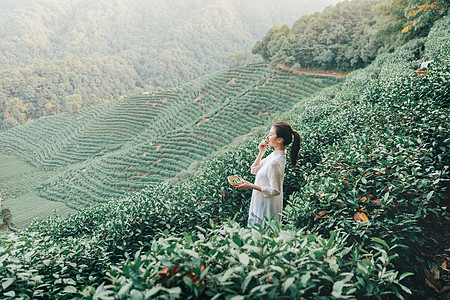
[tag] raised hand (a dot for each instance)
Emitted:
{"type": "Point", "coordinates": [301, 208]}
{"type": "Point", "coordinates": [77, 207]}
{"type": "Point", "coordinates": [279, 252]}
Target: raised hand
{"type": "Point", "coordinates": [262, 146]}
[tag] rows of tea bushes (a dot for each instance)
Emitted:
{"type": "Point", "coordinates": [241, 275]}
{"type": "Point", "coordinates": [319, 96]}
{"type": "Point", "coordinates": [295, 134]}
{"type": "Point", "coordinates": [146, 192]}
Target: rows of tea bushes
{"type": "Point", "coordinates": [226, 106]}
{"type": "Point", "coordinates": [374, 164]}
{"type": "Point", "coordinates": [65, 139]}
{"type": "Point", "coordinates": [372, 176]}
{"type": "Point", "coordinates": [59, 258]}
{"type": "Point", "coordinates": [140, 139]}
{"type": "Point", "coordinates": [123, 226]}
{"type": "Point", "coordinates": [37, 141]}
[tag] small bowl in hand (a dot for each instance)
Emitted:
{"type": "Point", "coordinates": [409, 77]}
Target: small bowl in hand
{"type": "Point", "coordinates": [235, 180]}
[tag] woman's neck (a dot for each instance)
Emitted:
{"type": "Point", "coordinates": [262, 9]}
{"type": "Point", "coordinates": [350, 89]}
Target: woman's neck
{"type": "Point", "coordinates": [279, 147]}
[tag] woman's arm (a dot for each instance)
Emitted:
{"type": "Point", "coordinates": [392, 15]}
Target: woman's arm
{"type": "Point", "coordinates": [262, 149]}
{"type": "Point", "coordinates": [275, 174]}
{"type": "Point", "coordinates": [257, 161]}
{"type": "Point", "coordinates": [245, 185]}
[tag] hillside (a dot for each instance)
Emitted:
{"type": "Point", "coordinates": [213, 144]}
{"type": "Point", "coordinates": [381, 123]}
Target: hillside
{"type": "Point", "coordinates": [58, 56]}
{"type": "Point", "coordinates": [18, 187]}
{"type": "Point", "coordinates": [367, 205]}
{"type": "Point", "coordinates": [365, 217]}
{"type": "Point", "coordinates": [125, 145]}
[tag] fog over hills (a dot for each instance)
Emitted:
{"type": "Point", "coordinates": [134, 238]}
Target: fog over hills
{"type": "Point", "coordinates": [138, 30]}
{"type": "Point", "coordinates": [61, 54]}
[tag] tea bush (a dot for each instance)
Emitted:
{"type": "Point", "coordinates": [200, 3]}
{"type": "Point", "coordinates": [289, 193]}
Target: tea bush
{"type": "Point", "coordinates": [388, 172]}
{"type": "Point", "coordinates": [250, 263]}
{"type": "Point", "coordinates": [37, 267]}
{"type": "Point", "coordinates": [438, 44]}
{"type": "Point", "coordinates": [372, 172]}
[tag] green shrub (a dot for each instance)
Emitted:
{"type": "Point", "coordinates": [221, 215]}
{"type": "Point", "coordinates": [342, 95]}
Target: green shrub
{"type": "Point", "coordinates": [437, 46]}
{"type": "Point", "coordinates": [373, 171]}
{"type": "Point", "coordinates": [250, 263]}
{"type": "Point", "coordinates": [38, 267]}
{"type": "Point", "coordinates": [390, 165]}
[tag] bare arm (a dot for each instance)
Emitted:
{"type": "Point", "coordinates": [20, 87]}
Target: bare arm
{"type": "Point", "coordinates": [245, 185]}
{"type": "Point", "coordinates": [262, 149]}
{"type": "Point", "coordinates": [254, 167]}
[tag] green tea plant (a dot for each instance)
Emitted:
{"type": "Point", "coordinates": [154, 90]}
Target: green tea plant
{"type": "Point", "coordinates": [38, 267]}
{"type": "Point", "coordinates": [249, 103]}
{"type": "Point", "coordinates": [372, 174]}
{"type": "Point", "coordinates": [254, 263]}
{"type": "Point", "coordinates": [386, 173]}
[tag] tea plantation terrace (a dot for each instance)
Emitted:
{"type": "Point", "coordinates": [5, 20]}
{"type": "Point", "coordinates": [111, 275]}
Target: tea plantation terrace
{"type": "Point", "coordinates": [141, 139]}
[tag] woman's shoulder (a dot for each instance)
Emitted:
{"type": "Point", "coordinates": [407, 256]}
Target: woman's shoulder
{"type": "Point", "coordinates": [275, 156]}
{"type": "Point", "coordinates": [277, 161]}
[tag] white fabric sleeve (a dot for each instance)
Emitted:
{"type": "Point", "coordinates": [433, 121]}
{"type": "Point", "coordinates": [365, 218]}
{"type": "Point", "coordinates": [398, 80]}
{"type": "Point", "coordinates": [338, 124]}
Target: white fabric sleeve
{"type": "Point", "coordinates": [254, 169]}
{"type": "Point", "coordinates": [275, 175]}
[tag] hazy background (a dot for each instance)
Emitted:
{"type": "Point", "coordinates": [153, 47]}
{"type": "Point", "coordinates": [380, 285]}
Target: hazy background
{"type": "Point", "coordinates": [60, 55]}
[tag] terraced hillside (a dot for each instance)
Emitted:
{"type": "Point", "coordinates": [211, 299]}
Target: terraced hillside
{"type": "Point", "coordinates": [141, 139]}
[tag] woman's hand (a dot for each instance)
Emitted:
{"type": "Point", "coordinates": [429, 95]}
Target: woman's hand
{"type": "Point", "coordinates": [245, 185]}
{"type": "Point", "coordinates": [262, 146]}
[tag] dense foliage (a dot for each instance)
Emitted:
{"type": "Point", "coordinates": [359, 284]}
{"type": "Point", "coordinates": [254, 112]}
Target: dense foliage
{"type": "Point", "coordinates": [333, 39]}
{"type": "Point", "coordinates": [59, 56]}
{"type": "Point", "coordinates": [349, 35]}
{"type": "Point", "coordinates": [372, 178]}
{"type": "Point", "coordinates": [228, 260]}
{"type": "Point", "coordinates": [232, 261]}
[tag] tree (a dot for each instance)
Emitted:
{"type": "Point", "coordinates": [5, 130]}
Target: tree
{"type": "Point", "coordinates": [391, 20]}
{"type": "Point", "coordinates": [9, 123]}
{"type": "Point", "coordinates": [332, 39]}
{"type": "Point", "coordinates": [17, 109]}
{"type": "Point", "coordinates": [240, 58]}
{"type": "Point", "coordinates": [421, 15]}
{"type": "Point", "coordinates": [402, 20]}
{"type": "Point", "coordinates": [7, 218]}
{"type": "Point", "coordinates": [324, 58]}
{"type": "Point", "coordinates": [282, 52]}
{"type": "Point", "coordinates": [73, 103]}
{"type": "Point", "coordinates": [267, 47]}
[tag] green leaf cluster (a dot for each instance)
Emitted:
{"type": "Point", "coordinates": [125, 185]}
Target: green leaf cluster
{"type": "Point", "coordinates": [253, 263]}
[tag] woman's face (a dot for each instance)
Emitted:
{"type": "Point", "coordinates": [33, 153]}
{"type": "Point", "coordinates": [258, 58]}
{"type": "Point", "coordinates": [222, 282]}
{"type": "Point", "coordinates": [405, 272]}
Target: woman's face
{"type": "Point", "coordinates": [272, 138]}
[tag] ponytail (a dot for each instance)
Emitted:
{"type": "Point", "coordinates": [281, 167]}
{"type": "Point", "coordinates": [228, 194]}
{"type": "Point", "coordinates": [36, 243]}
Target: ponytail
{"type": "Point", "coordinates": [293, 154]}
{"type": "Point", "coordinates": [285, 131]}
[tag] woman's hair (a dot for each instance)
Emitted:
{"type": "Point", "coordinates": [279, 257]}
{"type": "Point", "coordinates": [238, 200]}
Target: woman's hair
{"type": "Point", "coordinates": [285, 131]}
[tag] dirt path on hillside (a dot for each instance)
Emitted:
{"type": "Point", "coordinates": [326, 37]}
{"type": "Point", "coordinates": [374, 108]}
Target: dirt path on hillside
{"type": "Point", "coordinates": [313, 72]}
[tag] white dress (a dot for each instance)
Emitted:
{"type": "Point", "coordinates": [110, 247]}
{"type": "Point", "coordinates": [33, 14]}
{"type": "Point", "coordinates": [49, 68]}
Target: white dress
{"type": "Point", "coordinates": [269, 176]}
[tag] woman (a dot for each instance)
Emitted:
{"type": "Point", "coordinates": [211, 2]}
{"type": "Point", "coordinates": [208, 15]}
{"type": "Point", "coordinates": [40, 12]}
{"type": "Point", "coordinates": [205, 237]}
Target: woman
{"type": "Point", "coordinates": [267, 196]}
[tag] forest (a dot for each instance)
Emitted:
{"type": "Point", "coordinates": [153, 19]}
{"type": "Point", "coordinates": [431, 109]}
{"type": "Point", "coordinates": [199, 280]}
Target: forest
{"type": "Point", "coordinates": [60, 56]}
{"type": "Point", "coordinates": [349, 35]}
